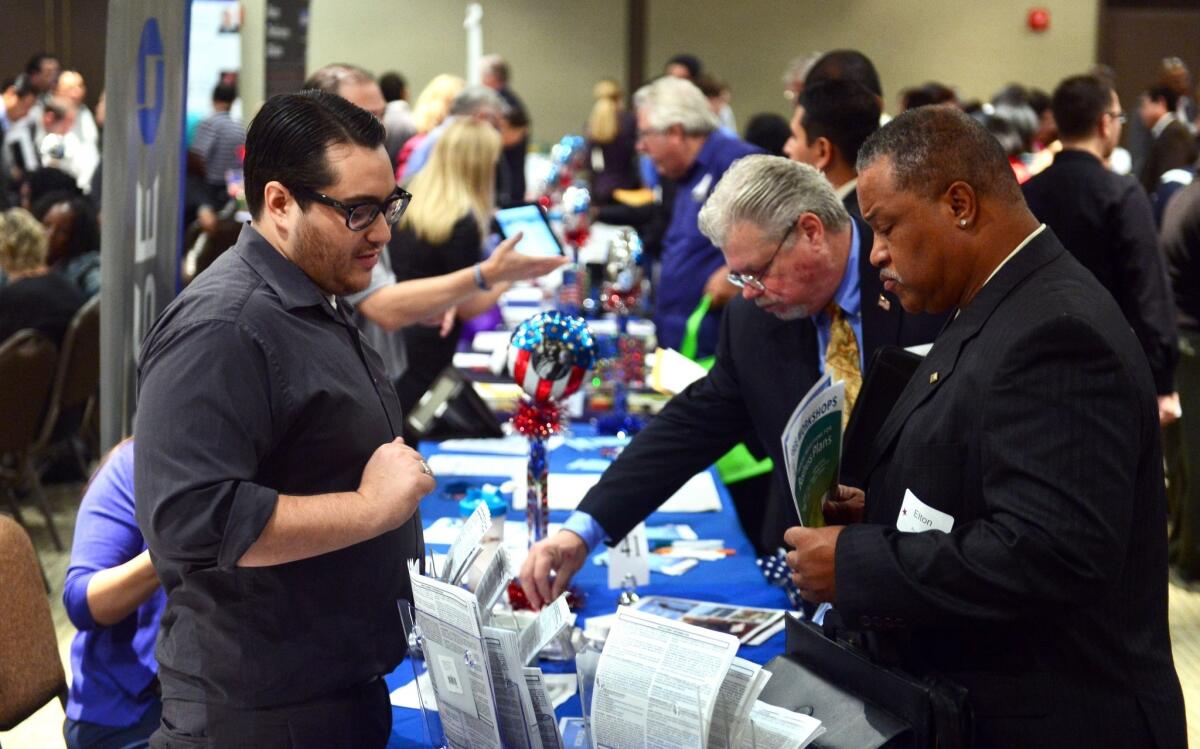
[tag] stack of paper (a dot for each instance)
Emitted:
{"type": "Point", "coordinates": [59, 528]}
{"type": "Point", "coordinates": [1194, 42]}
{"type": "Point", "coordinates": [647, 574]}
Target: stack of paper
{"type": "Point", "coordinates": [661, 682]}
{"type": "Point", "coordinates": [479, 674]}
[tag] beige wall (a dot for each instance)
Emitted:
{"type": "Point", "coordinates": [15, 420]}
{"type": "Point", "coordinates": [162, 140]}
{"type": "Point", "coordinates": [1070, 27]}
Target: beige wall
{"type": "Point", "coordinates": [251, 81]}
{"type": "Point", "coordinates": [975, 45]}
{"type": "Point", "coordinates": [559, 49]}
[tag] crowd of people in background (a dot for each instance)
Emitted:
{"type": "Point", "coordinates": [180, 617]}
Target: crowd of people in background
{"type": "Point", "coordinates": [49, 195]}
{"type": "Point", "coordinates": [1131, 215]}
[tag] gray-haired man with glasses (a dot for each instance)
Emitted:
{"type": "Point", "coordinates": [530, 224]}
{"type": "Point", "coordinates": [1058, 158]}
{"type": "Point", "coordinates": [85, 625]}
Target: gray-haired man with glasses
{"type": "Point", "coordinates": [803, 267]}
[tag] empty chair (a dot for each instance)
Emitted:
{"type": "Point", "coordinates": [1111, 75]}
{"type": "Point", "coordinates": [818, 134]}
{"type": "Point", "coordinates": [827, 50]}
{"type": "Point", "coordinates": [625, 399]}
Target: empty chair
{"type": "Point", "coordinates": [74, 390]}
{"type": "Point", "coordinates": [31, 673]}
{"type": "Point", "coordinates": [27, 372]}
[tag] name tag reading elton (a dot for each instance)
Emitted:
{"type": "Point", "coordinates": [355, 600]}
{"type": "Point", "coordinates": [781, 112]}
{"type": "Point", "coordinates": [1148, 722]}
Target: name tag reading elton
{"type": "Point", "coordinates": [917, 517]}
{"type": "Point", "coordinates": [630, 557]}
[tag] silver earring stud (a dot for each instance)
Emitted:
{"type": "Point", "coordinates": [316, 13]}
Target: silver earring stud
{"type": "Point", "coordinates": [962, 223]}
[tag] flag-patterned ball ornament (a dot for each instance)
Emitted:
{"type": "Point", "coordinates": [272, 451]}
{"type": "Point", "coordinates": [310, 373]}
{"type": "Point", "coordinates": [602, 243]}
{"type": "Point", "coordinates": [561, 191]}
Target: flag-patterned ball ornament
{"type": "Point", "coordinates": [550, 355]}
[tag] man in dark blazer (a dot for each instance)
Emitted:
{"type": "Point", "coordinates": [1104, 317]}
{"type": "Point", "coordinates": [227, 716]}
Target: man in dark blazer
{"type": "Point", "coordinates": [1014, 511]}
{"type": "Point", "coordinates": [1172, 145]}
{"type": "Point", "coordinates": [792, 258]}
{"type": "Point", "coordinates": [1181, 246]}
{"type": "Point", "coordinates": [1105, 220]}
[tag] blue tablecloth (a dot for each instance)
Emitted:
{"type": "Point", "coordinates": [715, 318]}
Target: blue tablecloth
{"type": "Point", "coordinates": [735, 579]}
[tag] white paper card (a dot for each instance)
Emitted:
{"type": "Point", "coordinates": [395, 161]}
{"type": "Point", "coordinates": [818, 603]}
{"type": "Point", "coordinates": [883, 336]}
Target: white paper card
{"type": "Point", "coordinates": [453, 464]}
{"type": "Point", "coordinates": [630, 557]}
{"type": "Point", "coordinates": [490, 340]}
{"type": "Point", "coordinates": [406, 695]}
{"type": "Point", "coordinates": [673, 371]}
{"type": "Point", "coordinates": [917, 517]}
{"type": "Point", "coordinates": [567, 490]}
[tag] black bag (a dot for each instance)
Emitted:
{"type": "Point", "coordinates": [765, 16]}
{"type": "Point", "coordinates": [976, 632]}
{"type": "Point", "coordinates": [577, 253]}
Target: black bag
{"type": "Point", "coordinates": [861, 704]}
{"type": "Point", "coordinates": [888, 374]}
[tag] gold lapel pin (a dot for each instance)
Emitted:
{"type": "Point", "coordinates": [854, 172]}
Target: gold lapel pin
{"type": "Point", "coordinates": [933, 378]}
{"type": "Point", "coordinates": [884, 303]}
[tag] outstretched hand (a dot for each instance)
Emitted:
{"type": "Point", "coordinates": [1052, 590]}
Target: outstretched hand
{"type": "Point", "coordinates": [506, 264]}
{"type": "Point", "coordinates": [551, 564]}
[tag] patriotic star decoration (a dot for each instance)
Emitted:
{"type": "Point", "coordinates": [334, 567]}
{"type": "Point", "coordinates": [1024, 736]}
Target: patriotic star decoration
{"type": "Point", "coordinates": [775, 569]}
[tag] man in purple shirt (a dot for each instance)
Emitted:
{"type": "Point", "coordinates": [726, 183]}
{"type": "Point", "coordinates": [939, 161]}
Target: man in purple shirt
{"type": "Point", "coordinates": [679, 132]}
{"type": "Point", "coordinates": [113, 598]}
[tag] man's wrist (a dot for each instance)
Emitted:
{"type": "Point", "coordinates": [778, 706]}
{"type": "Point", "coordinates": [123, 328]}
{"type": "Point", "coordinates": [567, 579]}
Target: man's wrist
{"type": "Point", "coordinates": [586, 528]}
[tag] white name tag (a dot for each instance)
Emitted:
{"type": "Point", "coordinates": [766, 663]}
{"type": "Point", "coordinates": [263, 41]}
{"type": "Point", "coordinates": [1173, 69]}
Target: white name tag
{"type": "Point", "coordinates": [917, 517]}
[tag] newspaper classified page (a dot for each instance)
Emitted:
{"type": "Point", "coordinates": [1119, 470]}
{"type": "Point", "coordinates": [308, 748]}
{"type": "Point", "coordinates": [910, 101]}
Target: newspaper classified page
{"type": "Point", "coordinates": [450, 626]}
{"type": "Point", "coordinates": [657, 682]}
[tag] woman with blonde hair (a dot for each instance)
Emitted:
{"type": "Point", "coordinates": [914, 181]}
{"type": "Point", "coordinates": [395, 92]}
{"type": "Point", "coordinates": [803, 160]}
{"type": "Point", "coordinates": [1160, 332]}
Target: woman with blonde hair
{"type": "Point", "coordinates": [431, 108]}
{"type": "Point", "coordinates": [34, 296]}
{"type": "Point", "coordinates": [443, 231]}
{"type": "Point", "coordinates": [612, 142]}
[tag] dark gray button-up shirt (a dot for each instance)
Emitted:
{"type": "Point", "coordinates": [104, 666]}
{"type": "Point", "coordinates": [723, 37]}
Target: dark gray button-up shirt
{"type": "Point", "coordinates": [250, 385]}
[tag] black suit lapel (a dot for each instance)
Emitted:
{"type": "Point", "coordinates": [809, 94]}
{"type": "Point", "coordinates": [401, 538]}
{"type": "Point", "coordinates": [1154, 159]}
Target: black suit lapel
{"type": "Point", "coordinates": [939, 365]}
{"type": "Point", "coordinates": [880, 322]}
{"type": "Point", "coordinates": [851, 203]}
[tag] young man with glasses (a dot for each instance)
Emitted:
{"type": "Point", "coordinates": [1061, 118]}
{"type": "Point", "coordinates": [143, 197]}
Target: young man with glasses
{"type": "Point", "coordinates": [807, 292]}
{"type": "Point", "coordinates": [1105, 220]}
{"type": "Point", "coordinates": [279, 506]}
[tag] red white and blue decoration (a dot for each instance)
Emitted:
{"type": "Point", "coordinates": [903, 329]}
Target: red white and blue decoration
{"type": "Point", "coordinates": [619, 295]}
{"type": "Point", "coordinates": [549, 356]}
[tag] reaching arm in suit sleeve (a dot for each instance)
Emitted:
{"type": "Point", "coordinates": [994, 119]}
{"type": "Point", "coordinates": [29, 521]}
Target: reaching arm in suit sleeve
{"type": "Point", "coordinates": [694, 429]}
{"type": "Point", "coordinates": [1145, 297]}
{"type": "Point", "coordinates": [1058, 455]}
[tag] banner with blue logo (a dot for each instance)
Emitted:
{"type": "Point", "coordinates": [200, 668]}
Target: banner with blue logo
{"type": "Point", "coordinates": [143, 163]}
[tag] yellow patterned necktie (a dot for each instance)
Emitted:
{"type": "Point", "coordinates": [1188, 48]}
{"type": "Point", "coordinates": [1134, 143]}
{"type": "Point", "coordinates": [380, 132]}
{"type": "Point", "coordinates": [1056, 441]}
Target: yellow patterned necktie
{"type": "Point", "coordinates": [841, 357]}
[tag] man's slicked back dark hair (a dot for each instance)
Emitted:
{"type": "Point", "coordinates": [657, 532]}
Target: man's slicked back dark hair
{"type": "Point", "coordinates": [1078, 103]}
{"type": "Point", "coordinates": [288, 139]}
{"type": "Point", "coordinates": [843, 112]}
{"type": "Point", "coordinates": [845, 65]}
{"type": "Point", "coordinates": [932, 147]}
{"type": "Point", "coordinates": [1162, 91]}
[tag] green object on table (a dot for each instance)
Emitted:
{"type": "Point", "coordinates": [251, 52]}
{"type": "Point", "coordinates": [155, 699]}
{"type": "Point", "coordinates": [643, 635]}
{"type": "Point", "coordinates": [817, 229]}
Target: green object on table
{"type": "Point", "coordinates": [739, 463]}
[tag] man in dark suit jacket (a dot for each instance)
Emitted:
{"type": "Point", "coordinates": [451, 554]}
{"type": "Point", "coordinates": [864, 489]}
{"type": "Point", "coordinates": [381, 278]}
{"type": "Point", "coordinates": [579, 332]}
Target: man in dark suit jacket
{"type": "Point", "coordinates": [1173, 146]}
{"type": "Point", "coordinates": [1013, 538]}
{"type": "Point", "coordinates": [1105, 220]}
{"type": "Point", "coordinates": [805, 251]}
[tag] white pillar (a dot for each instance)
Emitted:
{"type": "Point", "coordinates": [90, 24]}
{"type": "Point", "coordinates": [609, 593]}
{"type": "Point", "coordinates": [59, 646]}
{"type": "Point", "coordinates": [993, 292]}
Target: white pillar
{"type": "Point", "coordinates": [473, 23]}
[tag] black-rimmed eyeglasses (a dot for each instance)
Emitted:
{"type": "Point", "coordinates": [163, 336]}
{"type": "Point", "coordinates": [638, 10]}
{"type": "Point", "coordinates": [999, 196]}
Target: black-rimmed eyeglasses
{"type": "Point", "coordinates": [1118, 116]}
{"type": "Point", "coordinates": [359, 216]}
{"type": "Point", "coordinates": [754, 280]}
